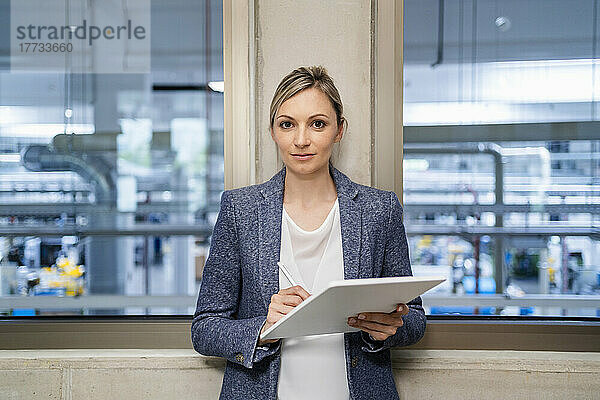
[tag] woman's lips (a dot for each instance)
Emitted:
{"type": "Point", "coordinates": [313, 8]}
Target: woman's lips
{"type": "Point", "coordinates": [303, 156]}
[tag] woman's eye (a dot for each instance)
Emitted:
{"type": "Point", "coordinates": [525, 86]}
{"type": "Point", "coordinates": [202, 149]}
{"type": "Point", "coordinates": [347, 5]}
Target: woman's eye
{"type": "Point", "coordinates": [319, 124]}
{"type": "Point", "coordinates": [285, 124]}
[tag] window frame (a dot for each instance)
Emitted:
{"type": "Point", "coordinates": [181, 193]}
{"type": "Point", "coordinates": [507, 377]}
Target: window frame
{"type": "Point", "coordinates": [565, 334]}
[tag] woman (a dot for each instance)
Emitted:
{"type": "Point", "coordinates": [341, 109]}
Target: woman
{"type": "Point", "coordinates": [322, 226]}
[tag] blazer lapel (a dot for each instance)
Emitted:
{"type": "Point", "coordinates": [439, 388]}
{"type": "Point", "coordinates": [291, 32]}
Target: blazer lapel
{"type": "Point", "coordinates": [351, 223]}
{"type": "Point", "coordinates": [269, 235]}
{"type": "Point", "coordinates": [269, 229]}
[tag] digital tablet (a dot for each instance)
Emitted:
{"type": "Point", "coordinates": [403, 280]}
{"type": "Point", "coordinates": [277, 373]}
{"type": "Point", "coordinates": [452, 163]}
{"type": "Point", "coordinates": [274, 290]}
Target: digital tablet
{"type": "Point", "coordinates": [328, 311]}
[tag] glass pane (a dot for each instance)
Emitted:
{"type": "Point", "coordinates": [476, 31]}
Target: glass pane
{"type": "Point", "coordinates": [111, 164]}
{"type": "Point", "coordinates": [502, 154]}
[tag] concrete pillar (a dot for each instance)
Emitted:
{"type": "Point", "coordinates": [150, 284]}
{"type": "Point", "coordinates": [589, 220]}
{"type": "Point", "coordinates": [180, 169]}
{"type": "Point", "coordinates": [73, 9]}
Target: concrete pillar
{"type": "Point", "coordinates": [360, 44]}
{"type": "Point", "coordinates": [335, 34]}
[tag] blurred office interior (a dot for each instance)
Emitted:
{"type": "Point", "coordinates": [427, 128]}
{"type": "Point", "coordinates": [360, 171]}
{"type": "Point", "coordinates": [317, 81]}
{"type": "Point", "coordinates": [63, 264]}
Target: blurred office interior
{"type": "Point", "coordinates": [110, 183]}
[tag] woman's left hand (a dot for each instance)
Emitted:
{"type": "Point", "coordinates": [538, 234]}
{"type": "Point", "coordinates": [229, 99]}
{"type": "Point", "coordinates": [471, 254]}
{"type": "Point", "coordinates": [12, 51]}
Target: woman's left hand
{"type": "Point", "coordinates": [380, 325]}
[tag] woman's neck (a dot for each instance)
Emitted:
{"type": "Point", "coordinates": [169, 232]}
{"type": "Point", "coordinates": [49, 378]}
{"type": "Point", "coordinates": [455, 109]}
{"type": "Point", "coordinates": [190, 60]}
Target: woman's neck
{"type": "Point", "coordinates": [308, 190]}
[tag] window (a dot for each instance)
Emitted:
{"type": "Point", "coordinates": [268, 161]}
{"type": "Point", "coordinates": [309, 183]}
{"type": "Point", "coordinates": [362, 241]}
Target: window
{"type": "Point", "coordinates": [502, 155]}
{"type": "Point", "coordinates": [111, 178]}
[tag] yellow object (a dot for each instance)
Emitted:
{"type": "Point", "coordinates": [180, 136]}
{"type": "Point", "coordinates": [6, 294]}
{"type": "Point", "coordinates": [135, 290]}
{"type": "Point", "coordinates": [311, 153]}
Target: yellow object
{"type": "Point", "coordinates": [67, 275]}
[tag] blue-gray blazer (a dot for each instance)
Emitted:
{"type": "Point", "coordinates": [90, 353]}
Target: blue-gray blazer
{"type": "Point", "coordinates": [241, 275]}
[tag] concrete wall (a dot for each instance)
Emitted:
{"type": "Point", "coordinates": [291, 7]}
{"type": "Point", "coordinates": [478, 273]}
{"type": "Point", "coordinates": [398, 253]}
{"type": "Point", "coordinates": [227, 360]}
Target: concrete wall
{"type": "Point", "coordinates": [359, 42]}
{"type": "Point", "coordinates": [178, 374]}
{"type": "Point", "coordinates": [336, 34]}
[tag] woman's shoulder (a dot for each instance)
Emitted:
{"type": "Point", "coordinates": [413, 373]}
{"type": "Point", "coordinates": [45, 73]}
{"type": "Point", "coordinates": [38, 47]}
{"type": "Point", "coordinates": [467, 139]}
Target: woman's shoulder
{"type": "Point", "coordinates": [363, 192]}
{"type": "Point", "coordinates": [244, 197]}
{"type": "Point", "coordinates": [252, 194]}
{"type": "Point", "coordinates": [376, 203]}
{"type": "Point", "coordinates": [377, 198]}
{"type": "Point", "coordinates": [370, 193]}
{"type": "Point", "coordinates": [380, 208]}
{"type": "Point", "coordinates": [249, 197]}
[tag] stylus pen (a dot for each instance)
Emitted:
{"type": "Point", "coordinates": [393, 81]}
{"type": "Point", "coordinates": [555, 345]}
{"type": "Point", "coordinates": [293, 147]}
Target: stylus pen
{"type": "Point", "coordinates": [287, 274]}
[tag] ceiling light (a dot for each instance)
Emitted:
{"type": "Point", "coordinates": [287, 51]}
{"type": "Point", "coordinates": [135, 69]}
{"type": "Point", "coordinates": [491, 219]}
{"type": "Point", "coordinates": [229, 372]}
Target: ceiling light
{"type": "Point", "coordinates": [10, 158]}
{"type": "Point", "coordinates": [503, 24]}
{"type": "Point", "coordinates": [217, 86]}
{"type": "Point", "coordinates": [44, 130]}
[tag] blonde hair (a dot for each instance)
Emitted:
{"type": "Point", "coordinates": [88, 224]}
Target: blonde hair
{"type": "Point", "coordinates": [302, 78]}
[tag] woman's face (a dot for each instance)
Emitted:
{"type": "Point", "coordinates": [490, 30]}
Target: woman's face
{"type": "Point", "coordinates": [305, 130]}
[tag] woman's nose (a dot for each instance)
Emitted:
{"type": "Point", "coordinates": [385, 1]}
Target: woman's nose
{"type": "Point", "coordinates": [301, 138]}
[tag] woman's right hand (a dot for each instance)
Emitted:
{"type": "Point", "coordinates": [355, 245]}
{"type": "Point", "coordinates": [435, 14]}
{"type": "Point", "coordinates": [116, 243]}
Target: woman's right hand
{"type": "Point", "coordinates": [282, 303]}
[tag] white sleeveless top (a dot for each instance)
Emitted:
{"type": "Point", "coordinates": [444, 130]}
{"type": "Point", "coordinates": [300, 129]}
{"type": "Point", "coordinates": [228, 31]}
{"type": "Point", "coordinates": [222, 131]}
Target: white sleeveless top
{"type": "Point", "coordinates": [312, 367]}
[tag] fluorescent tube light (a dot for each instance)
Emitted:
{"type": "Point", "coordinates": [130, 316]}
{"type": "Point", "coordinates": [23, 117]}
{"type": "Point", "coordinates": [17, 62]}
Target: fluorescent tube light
{"type": "Point", "coordinates": [44, 130]}
{"type": "Point", "coordinates": [10, 157]}
{"type": "Point", "coordinates": [217, 86]}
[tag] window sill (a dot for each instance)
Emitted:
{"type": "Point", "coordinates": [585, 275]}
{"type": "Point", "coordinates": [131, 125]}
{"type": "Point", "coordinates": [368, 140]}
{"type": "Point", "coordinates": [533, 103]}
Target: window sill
{"type": "Point", "coordinates": [173, 332]}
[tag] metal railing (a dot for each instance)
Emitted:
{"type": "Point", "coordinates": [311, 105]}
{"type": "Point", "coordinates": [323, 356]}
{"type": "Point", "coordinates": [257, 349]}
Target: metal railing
{"type": "Point", "coordinates": [430, 300]}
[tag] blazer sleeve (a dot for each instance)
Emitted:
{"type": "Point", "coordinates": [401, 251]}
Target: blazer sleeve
{"type": "Point", "coordinates": [396, 262]}
{"type": "Point", "coordinates": [216, 330]}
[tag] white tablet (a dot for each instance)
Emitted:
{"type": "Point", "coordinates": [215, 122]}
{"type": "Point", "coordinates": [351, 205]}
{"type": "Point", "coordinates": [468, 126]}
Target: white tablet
{"type": "Point", "coordinates": [328, 311]}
